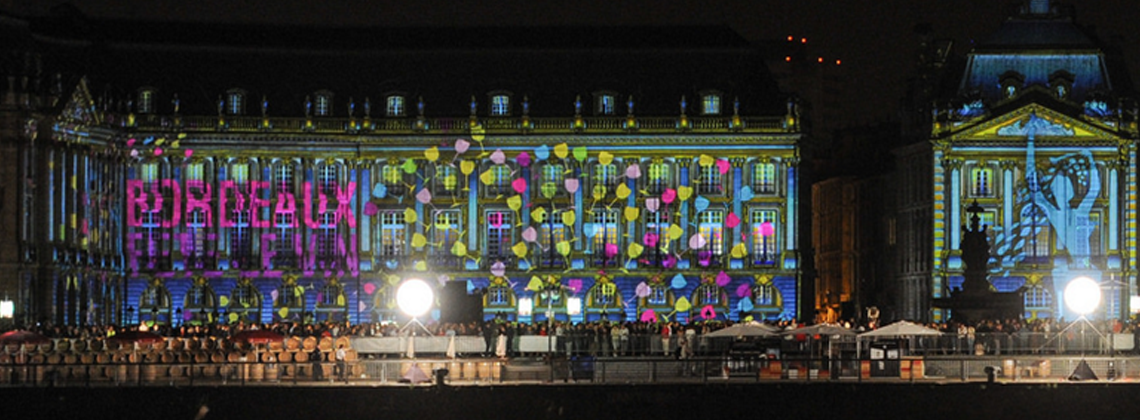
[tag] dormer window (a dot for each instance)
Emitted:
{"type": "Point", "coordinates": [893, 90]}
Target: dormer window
{"type": "Point", "coordinates": [396, 106]}
{"type": "Point", "coordinates": [322, 107]}
{"type": "Point", "coordinates": [500, 105]}
{"type": "Point", "coordinates": [710, 103]}
{"type": "Point", "coordinates": [146, 101]}
{"type": "Point", "coordinates": [235, 102]}
{"type": "Point", "coordinates": [1010, 83]}
{"type": "Point", "coordinates": [605, 103]}
{"type": "Point", "coordinates": [1061, 83]}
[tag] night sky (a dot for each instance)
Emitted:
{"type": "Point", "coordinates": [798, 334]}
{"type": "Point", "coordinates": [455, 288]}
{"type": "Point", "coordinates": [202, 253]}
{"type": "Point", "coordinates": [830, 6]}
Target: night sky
{"type": "Point", "coordinates": [875, 39]}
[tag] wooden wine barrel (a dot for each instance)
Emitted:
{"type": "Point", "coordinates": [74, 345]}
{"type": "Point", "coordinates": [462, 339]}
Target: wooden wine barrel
{"type": "Point", "coordinates": [271, 372]}
{"type": "Point", "coordinates": [62, 345]}
{"type": "Point", "coordinates": [285, 357]}
{"type": "Point", "coordinates": [326, 344]}
{"type": "Point", "coordinates": [167, 357]}
{"type": "Point", "coordinates": [80, 345]}
{"type": "Point", "coordinates": [309, 343]}
{"type": "Point", "coordinates": [53, 358]}
{"type": "Point", "coordinates": [159, 345]}
{"type": "Point", "coordinates": [98, 345]}
{"type": "Point", "coordinates": [149, 373]}
{"type": "Point", "coordinates": [70, 358]}
{"type": "Point", "coordinates": [218, 357]}
{"type": "Point", "coordinates": [292, 343]}
{"type": "Point", "coordinates": [175, 344]}
{"type": "Point", "coordinates": [87, 358]}
{"type": "Point", "coordinates": [201, 357]}
{"type": "Point", "coordinates": [350, 355]}
{"type": "Point", "coordinates": [256, 372]}
{"type": "Point", "coordinates": [342, 341]}
{"type": "Point", "coordinates": [103, 357]}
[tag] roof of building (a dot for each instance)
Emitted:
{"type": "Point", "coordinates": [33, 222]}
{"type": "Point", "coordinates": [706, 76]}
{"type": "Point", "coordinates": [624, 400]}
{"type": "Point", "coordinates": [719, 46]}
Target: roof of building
{"type": "Point", "coordinates": [550, 66]}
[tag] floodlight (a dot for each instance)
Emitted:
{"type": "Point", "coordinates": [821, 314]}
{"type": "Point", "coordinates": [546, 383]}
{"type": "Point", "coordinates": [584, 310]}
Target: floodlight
{"type": "Point", "coordinates": [7, 309]}
{"type": "Point", "coordinates": [526, 306]}
{"type": "Point", "coordinates": [574, 306]}
{"type": "Point", "coordinates": [1134, 303]}
{"type": "Point", "coordinates": [1082, 295]}
{"type": "Point", "coordinates": [414, 297]}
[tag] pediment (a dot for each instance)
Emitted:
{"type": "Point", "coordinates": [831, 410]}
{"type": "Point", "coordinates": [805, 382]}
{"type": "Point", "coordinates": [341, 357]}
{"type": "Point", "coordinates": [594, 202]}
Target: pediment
{"type": "Point", "coordinates": [80, 108]}
{"type": "Point", "coordinates": [1036, 120]}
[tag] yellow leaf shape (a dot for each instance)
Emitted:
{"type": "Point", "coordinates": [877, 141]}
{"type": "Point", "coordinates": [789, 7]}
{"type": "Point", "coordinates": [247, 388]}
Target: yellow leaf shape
{"type": "Point", "coordinates": [340, 300]}
{"type": "Point", "coordinates": [535, 284]}
{"type": "Point", "coordinates": [562, 150]}
{"type": "Point", "coordinates": [684, 192]}
{"type": "Point", "coordinates": [675, 232]}
{"type": "Point", "coordinates": [631, 213]}
{"type": "Point", "coordinates": [233, 317]}
{"type": "Point", "coordinates": [467, 167]}
{"type": "Point", "coordinates": [599, 192]}
{"type": "Point", "coordinates": [420, 266]}
{"type": "Point", "coordinates": [418, 240]}
{"type": "Point", "coordinates": [568, 218]}
{"type": "Point", "coordinates": [224, 300]}
{"type": "Point", "coordinates": [515, 202]}
{"type": "Point", "coordinates": [283, 312]}
{"type": "Point", "coordinates": [707, 160]}
{"type": "Point", "coordinates": [410, 215]}
{"type": "Point", "coordinates": [605, 158]}
{"type": "Point", "coordinates": [487, 178]}
{"type": "Point", "coordinates": [635, 249]}
{"type": "Point", "coordinates": [538, 214]}
{"type": "Point", "coordinates": [682, 305]}
{"type": "Point", "coordinates": [432, 154]}
{"type": "Point", "coordinates": [393, 279]}
{"type": "Point", "coordinates": [300, 291]}
{"type": "Point", "coordinates": [459, 249]}
{"type": "Point", "coordinates": [622, 191]}
{"type": "Point", "coordinates": [739, 251]}
{"type": "Point", "coordinates": [519, 249]}
{"type": "Point", "coordinates": [563, 248]}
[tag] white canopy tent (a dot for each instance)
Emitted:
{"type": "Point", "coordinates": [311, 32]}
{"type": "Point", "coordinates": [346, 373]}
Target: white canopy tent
{"type": "Point", "coordinates": [900, 329]}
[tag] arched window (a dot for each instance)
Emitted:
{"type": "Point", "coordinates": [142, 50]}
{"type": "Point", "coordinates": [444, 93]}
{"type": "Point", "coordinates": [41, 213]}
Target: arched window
{"type": "Point", "coordinates": [199, 302]}
{"type": "Point", "coordinates": [500, 105]}
{"type": "Point", "coordinates": [605, 103]}
{"type": "Point", "coordinates": [392, 176]}
{"type": "Point", "coordinates": [245, 302]}
{"type": "Point", "coordinates": [660, 177]}
{"type": "Point", "coordinates": [553, 175]}
{"type": "Point", "coordinates": [1038, 297]}
{"type": "Point", "coordinates": [332, 304]}
{"type": "Point", "coordinates": [154, 303]}
{"type": "Point", "coordinates": [709, 180]}
{"type": "Point", "coordinates": [284, 222]}
{"type": "Point", "coordinates": [290, 303]}
{"type": "Point", "coordinates": [396, 106]}
{"type": "Point", "coordinates": [709, 294]}
{"type": "Point", "coordinates": [765, 294]}
{"type": "Point", "coordinates": [764, 178]}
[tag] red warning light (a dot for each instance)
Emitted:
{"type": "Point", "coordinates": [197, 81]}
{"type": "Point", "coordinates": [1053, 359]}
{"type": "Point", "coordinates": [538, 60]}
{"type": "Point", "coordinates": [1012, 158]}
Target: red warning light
{"type": "Point", "coordinates": [803, 40]}
{"type": "Point", "coordinates": [838, 62]}
{"type": "Point", "coordinates": [791, 38]}
{"type": "Point", "coordinates": [821, 59]}
{"type": "Point", "coordinates": [788, 58]}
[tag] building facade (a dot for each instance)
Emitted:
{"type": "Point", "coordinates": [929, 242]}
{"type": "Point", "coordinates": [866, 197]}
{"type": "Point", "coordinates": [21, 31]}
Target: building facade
{"type": "Point", "coordinates": [558, 180]}
{"type": "Point", "coordinates": [1041, 134]}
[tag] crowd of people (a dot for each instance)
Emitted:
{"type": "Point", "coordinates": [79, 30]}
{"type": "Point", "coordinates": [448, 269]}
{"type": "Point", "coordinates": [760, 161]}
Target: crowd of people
{"type": "Point", "coordinates": [629, 338]}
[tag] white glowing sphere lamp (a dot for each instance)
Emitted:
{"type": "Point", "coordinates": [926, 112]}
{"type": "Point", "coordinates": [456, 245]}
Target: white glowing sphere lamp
{"type": "Point", "coordinates": [1082, 295]}
{"type": "Point", "coordinates": [414, 297]}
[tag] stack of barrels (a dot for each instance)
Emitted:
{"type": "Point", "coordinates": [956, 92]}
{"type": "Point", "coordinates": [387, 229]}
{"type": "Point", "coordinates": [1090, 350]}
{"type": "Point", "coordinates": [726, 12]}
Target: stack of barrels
{"type": "Point", "coordinates": [169, 359]}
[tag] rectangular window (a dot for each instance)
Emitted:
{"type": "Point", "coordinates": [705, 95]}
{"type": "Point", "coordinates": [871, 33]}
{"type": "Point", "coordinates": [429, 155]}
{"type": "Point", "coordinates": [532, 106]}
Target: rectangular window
{"type": "Point", "coordinates": [499, 235]}
{"type": "Point", "coordinates": [500, 105]}
{"type": "Point", "coordinates": [711, 105]}
{"type": "Point", "coordinates": [606, 240]}
{"type": "Point", "coordinates": [446, 180]}
{"type": "Point", "coordinates": [323, 106]}
{"type": "Point", "coordinates": [498, 296]}
{"type": "Point", "coordinates": [501, 181]}
{"type": "Point", "coordinates": [395, 106]}
{"type": "Point", "coordinates": [606, 105]}
{"type": "Point", "coordinates": [146, 101]}
{"type": "Point", "coordinates": [658, 295]}
{"type": "Point", "coordinates": [445, 230]}
{"type": "Point", "coordinates": [241, 245]}
{"type": "Point", "coordinates": [392, 230]}
{"type": "Point", "coordinates": [392, 176]}
{"type": "Point", "coordinates": [326, 238]}
{"type": "Point", "coordinates": [1094, 232]}
{"type": "Point", "coordinates": [659, 178]}
{"type": "Point", "coordinates": [236, 104]}
{"type": "Point", "coordinates": [711, 228]}
{"type": "Point", "coordinates": [605, 176]}
{"type": "Point", "coordinates": [328, 178]}
{"type": "Point", "coordinates": [284, 178]}
{"type": "Point", "coordinates": [981, 180]}
{"type": "Point", "coordinates": [656, 223]}
{"type": "Point", "coordinates": [764, 178]}
{"type": "Point", "coordinates": [285, 254]}
{"type": "Point", "coordinates": [764, 234]}
{"type": "Point", "coordinates": [552, 180]}
{"type": "Point", "coordinates": [550, 233]}
{"type": "Point", "coordinates": [710, 180]}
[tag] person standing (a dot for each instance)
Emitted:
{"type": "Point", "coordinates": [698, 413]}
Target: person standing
{"type": "Point", "coordinates": [315, 358]}
{"type": "Point", "coordinates": [341, 365]}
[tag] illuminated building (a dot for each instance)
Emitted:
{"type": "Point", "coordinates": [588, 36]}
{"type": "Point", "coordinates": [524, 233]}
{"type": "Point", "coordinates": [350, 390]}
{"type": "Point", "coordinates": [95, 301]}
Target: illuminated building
{"type": "Point", "coordinates": [1042, 135]}
{"type": "Point", "coordinates": [185, 173]}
